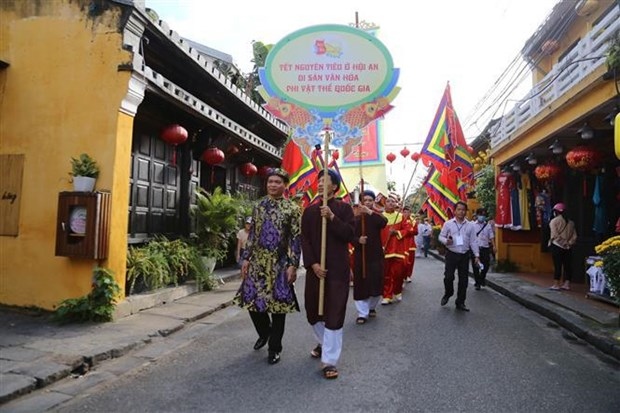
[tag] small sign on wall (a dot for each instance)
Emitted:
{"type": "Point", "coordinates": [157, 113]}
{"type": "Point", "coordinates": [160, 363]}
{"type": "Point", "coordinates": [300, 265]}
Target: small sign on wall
{"type": "Point", "coordinates": [11, 175]}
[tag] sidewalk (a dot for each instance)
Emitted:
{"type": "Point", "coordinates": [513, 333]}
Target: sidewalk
{"type": "Point", "coordinates": [36, 352]}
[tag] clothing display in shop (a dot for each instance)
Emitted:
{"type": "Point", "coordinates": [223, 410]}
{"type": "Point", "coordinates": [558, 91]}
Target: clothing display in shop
{"type": "Point", "coordinates": [503, 185]}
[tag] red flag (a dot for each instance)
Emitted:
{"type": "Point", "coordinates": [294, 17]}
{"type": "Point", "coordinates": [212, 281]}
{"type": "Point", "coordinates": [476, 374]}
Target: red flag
{"type": "Point", "coordinates": [299, 168]}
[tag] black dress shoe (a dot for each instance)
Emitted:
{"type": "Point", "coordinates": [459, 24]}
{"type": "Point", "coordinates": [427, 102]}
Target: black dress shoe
{"type": "Point", "coordinates": [444, 300]}
{"type": "Point", "coordinates": [462, 307]}
{"type": "Point", "coordinates": [273, 357]}
{"type": "Point", "coordinates": [260, 343]}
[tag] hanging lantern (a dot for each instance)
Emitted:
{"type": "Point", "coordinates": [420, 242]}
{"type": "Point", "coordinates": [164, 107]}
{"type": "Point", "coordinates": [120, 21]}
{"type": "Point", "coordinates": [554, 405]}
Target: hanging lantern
{"type": "Point", "coordinates": [232, 150]}
{"type": "Point", "coordinates": [471, 150]}
{"type": "Point", "coordinates": [248, 169]}
{"type": "Point", "coordinates": [390, 158]}
{"type": "Point", "coordinates": [415, 157]}
{"type": "Point", "coordinates": [404, 152]}
{"type": "Point", "coordinates": [174, 135]}
{"type": "Point", "coordinates": [264, 170]}
{"type": "Point", "coordinates": [213, 156]}
{"type": "Point", "coordinates": [547, 172]}
{"type": "Point", "coordinates": [583, 158]}
{"type": "Point", "coordinates": [335, 155]}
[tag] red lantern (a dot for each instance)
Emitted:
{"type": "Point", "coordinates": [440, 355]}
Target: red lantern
{"type": "Point", "coordinates": [583, 158]}
{"type": "Point", "coordinates": [415, 157]}
{"type": "Point", "coordinates": [213, 156]}
{"type": "Point", "coordinates": [174, 135]}
{"type": "Point", "coordinates": [248, 169]}
{"type": "Point", "coordinates": [232, 150]}
{"type": "Point", "coordinates": [264, 170]}
{"type": "Point", "coordinates": [390, 157]}
{"type": "Point", "coordinates": [547, 172]}
{"type": "Point", "coordinates": [404, 152]}
{"type": "Point", "coordinates": [335, 155]}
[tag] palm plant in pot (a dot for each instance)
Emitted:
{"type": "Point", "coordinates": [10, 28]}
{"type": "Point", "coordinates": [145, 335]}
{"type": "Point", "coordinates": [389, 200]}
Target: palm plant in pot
{"type": "Point", "coordinates": [84, 171]}
{"type": "Point", "coordinates": [217, 218]}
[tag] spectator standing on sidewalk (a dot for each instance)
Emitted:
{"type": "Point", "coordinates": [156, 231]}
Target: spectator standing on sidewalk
{"type": "Point", "coordinates": [459, 236]}
{"type": "Point", "coordinates": [486, 243]}
{"type": "Point", "coordinates": [563, 237]}
{"type": "Point", "coordinates": [269, 266]}
{"type": "Point", "coordinates": [327, 327]}
{"type": "Point", "coordinates": [368, 285]}
{"type": "Point", "coordinates": [242, 239]}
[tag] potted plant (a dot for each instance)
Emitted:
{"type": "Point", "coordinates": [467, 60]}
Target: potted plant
{"type": "Point", "coordinates": [609, 250]}
{"type": "Point", "coordinates": [84, 171]}
{"type": "Point", "coordinates": [217, 218]}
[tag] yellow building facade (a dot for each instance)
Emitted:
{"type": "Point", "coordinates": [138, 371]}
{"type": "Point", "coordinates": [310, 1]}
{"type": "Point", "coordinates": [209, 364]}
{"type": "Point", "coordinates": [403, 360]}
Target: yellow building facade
{"type": "Point", "coordinates": [571, 88]}
{"type": "Point", "coordinates": [76, 77]}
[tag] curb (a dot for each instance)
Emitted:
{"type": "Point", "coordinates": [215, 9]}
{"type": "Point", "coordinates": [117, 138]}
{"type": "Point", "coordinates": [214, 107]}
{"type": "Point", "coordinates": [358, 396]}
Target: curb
{"type": "Point", "coordinates": [32, 367]}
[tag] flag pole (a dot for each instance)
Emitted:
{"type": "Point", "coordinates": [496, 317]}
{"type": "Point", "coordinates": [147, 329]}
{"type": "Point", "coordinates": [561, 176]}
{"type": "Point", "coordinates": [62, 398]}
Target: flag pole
{"type": "Point", "coordinates": [324, 223]}
{"type": "Point", "coordinates": [363, 216]}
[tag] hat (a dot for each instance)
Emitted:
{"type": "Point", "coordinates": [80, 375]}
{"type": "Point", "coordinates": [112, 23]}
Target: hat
{"type": "Point", "coordinates": [333, 176]}
{"type": "Point", "coordinates": [279, 172]}
{"type": "Point", "coordinates": [560, 207]}
{"type": "Point", "coordinates": [248, 220]}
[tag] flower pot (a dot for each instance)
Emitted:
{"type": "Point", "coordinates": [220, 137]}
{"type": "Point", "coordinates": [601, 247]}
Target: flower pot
{"type": "Point", "coordinates": [83, 184]}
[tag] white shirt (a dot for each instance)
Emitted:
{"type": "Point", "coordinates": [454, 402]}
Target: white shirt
{"type": "Point", "coordinates": [464, 230]}
{"type": "Point", "coordinates": [485, 233]}
{"type": "Point", "coordinates": [425, 229]}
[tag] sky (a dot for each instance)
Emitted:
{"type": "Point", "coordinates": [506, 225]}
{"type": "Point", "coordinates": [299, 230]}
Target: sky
{"type": "Point", "coordinates": [468, 43]}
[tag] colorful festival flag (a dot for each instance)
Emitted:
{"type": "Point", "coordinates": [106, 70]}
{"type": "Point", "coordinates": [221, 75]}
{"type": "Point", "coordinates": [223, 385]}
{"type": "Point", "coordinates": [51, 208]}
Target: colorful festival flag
{"type": "Point", "coordinates": [299, 167]}
{"type": "Point", "coordinates": [447, 155]}
{"type": "Point", "coordinates": [445, 196]}
{"type": "Point", "coordinates": [434, 212]}
{"type": "Point", "coordinates": [303, 172]}
{"type": "Point", "coordinates": [445, 145]}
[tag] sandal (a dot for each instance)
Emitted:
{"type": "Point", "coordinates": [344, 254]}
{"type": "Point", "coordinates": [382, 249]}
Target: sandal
{"type": "Point", "coordinates": [372, 313]}
{"type": "Point", "coordinates": [330, 372]}
{"type": "Point", "coordinates": [360, 320]}
{"type": "Point", "coordinates": [316, 352]}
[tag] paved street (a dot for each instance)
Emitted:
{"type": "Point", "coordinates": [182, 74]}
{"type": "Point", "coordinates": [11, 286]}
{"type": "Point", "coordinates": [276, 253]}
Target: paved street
{"type": "Point", "coordinates": [415, 356]}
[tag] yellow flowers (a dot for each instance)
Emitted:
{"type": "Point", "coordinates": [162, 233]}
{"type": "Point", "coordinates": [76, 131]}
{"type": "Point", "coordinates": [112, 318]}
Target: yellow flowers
{"type": "Point", "coordinates": [608, 246]}
{"type": "Point", "coordinates": [610, 252]}
{"type": "Point", "coordinates": [598, 263]}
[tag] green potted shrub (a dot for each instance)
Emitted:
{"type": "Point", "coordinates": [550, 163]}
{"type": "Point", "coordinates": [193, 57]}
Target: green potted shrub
{"type": "Point", "coordinates": [97, 306]}
{"type": "Point", "coordinates": [217, 218]}
{"type": "Point", "coordinates": [84, 171]}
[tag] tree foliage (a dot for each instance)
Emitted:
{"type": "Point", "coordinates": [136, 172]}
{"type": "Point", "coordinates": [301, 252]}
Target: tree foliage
{"type": "Point", "coordinates": [485, 189]}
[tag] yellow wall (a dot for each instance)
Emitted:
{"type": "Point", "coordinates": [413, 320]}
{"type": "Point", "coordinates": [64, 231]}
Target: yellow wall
{"type": "Point", "coordinates": [60, 98]}
{"type": "Point", "coordinates": [583, 98]}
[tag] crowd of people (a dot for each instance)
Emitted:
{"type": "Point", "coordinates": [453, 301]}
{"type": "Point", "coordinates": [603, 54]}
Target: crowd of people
{"type": "Point", "coordinates": [380, 236]}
